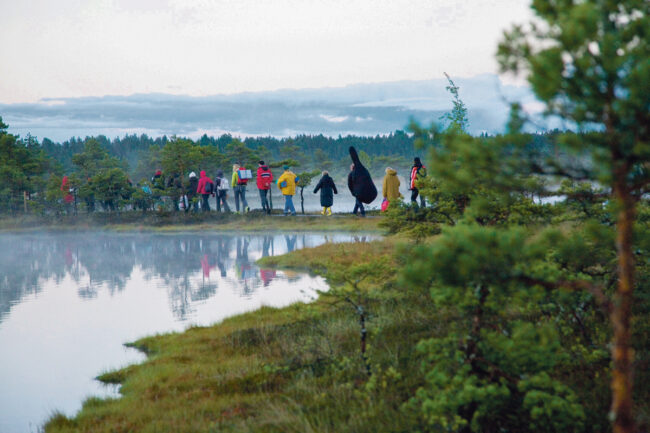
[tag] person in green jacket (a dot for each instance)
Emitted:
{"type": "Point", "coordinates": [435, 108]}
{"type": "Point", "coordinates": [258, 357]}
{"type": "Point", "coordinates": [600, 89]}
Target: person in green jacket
{"type": "Point", "coordinates": [239, 188]}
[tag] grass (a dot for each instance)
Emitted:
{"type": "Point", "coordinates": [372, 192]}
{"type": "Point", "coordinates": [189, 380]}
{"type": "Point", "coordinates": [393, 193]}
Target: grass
{"type": "Point", "coordinates": [172, 222]}
{"type": "Point", "coordinates": [295, 369]}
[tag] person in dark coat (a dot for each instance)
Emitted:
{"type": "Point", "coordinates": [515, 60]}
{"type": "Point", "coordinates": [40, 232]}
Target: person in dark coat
{"type": "Point", "coordinates": [175, 189]}
{"type": "Point", "coordinates": [221, 184]}
{"type": "Point", "coordinates": [192, 200]}
{"type": "Point", "coordinates": [327, 189]}
{"type": "Point", "coordinates": [360, 183]}
{"type": "Point", "coordinates": [158, 184]}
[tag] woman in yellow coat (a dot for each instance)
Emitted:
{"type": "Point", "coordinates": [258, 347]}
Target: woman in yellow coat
{"type": "Point", "coordinates": [287, 184]}
{"type": "Point", "coordinates": [390, 188]}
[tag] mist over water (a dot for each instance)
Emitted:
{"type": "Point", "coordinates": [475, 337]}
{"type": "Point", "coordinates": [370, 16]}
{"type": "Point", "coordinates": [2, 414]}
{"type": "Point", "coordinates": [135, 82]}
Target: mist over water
{"type": "Point", "coordinates": [68, 303]}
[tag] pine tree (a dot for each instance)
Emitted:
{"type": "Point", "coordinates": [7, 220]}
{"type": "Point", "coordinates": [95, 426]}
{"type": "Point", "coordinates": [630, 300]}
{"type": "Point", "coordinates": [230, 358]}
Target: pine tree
{"type": "Point", "coordinates": [512, 287]}
{"type": "Point", "coordinates": [588, 61]}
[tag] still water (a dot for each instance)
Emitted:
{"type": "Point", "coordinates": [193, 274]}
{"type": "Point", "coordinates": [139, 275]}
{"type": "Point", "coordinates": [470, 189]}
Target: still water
{"type": "Point", "coordinates": [68, 302]}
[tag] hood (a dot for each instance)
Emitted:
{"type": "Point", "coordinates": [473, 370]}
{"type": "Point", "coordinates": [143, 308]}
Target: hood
{"type": "Point", "coordinates": [158, 173]}
{"type": "Point", "coordinates": [264, 167]}
{"type": "Point", "coordinates": [202, 173]}
{"type": "Point", "coordinates": [220, 173]}
{"type": "Point", "coordinates": [391, 172]}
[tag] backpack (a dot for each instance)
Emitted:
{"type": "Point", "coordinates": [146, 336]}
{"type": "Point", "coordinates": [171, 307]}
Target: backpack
{"type": "Point", "coordinates": [208, 188]}
{"type": "Point", "coordinates": [243, 175]}
{"type": "Point", "coordinates": [223, 184]}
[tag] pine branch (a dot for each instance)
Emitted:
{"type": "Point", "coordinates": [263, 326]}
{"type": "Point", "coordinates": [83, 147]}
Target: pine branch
{"type": "Point", "coordinates": [578, 175]}
{"type": "Point", "coordinates": [574, 285]}
{"type": "Point", "coordinates": [640, 186]}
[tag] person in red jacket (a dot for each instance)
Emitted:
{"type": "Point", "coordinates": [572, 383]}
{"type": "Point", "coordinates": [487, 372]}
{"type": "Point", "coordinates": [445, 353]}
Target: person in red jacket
{"type": "Point", "coordinates": [68, 198]}
{"type": "Point", "coordinates": [264, 181]}
{"type": "Point", "coordinates": [205, 188]}
{"type": "Point", "coordinates": [65, 187]}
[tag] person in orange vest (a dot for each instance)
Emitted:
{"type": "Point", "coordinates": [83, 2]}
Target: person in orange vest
{"type": "Point", "coordinates": [418, 172]}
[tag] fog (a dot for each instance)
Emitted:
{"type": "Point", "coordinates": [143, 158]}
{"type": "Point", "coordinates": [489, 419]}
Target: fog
{"type": "Point", "coordinates": [362, 109]}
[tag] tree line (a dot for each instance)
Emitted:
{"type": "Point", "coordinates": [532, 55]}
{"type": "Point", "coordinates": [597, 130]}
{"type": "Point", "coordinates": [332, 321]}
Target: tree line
{"type": "Point", "coordinates": [116, 174]}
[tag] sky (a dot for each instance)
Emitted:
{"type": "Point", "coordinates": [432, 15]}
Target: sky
{"type": "Point", "coordinates": [92, 48]}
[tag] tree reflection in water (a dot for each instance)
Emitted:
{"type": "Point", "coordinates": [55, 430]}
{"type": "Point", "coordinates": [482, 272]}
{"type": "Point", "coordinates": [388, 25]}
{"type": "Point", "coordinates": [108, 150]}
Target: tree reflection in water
{"type": "Point", "coordinates": [191, 265]}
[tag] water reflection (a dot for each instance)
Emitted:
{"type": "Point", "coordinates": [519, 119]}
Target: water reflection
{"type": "Point", "coordinates": [105, 261]}
{"type": "Point", "coordinates": [69, 301]}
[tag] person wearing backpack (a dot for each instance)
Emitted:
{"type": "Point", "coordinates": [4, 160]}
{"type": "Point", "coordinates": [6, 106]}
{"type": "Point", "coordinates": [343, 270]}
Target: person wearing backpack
{"type": "Point", "coordinates": [264, 180]}
{"type": "Point", "coordinates": [239, 187]}
{"type": "Point", "coordinates": [287, 184]}
{"type": "Point", "coordinates": [418, 172]}
{"type": "Point", "coordinates": [222, 186]}
{"type": "Point", "coordinates": [205, 188]}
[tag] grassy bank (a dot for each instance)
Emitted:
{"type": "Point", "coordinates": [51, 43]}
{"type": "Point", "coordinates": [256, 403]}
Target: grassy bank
{"type": "Point", "coordinates": [297, 368]}
{"type": "Point", "coordinates": [181, 222]}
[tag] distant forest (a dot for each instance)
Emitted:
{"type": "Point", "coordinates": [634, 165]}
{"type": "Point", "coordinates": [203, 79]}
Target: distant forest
{"type": "Point", "coordinates": [115, 172]}
{"type": "Point", "coordinates": [309, 150]}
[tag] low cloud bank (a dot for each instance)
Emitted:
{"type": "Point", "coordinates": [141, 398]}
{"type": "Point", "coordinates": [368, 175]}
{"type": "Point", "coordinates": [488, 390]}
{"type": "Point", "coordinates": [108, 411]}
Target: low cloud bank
{"type": "Point", "coordinates": [361, 109]}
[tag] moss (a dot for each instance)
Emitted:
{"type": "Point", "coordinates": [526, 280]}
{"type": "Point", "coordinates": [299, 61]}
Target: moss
{"type": "Point", "coordinates": [180, 222]}
{"type": "Point", "coordinates": [291, 369]}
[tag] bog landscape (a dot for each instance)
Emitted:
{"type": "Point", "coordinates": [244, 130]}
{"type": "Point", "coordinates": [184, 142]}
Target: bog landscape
{"type": "Point", "coordinates": [426, 255]}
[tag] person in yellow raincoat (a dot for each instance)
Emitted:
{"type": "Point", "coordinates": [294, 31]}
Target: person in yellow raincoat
{"type": "Point", "coordinates": [390, 188]}
{"type": "Point", "coordinates": [287, 184]}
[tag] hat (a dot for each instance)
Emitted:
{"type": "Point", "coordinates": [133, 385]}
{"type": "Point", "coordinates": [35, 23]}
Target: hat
{"type": "Point", "coordinates": [219, 173]}
{"type": "Point", "coordinates": [192, 174]}
{"type": "Point", "coordinates": [286, 167]}
{"type": "Point", "coordinates": [260, 162]}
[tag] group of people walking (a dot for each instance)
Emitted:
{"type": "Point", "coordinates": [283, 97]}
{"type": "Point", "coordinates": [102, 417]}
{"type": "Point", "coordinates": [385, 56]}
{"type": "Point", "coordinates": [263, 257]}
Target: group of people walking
{"type": "Point", "coordinates": [202, 188]}
{"type": "Point", "coordinates": [364, 191]}
{"type": "Point", "coordinates": [360, 185]}
{"type": "Point", "coordinates": [219, 188]}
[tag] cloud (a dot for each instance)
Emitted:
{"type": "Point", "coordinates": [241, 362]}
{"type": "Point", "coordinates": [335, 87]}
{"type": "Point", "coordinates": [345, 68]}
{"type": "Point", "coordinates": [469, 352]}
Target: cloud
{"type": "Point", "coordinates": [362, 109]}
{"type": "Point", "coordinates": [334, 119]}
{"type": "Point", "coordinates": [206, 47]}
